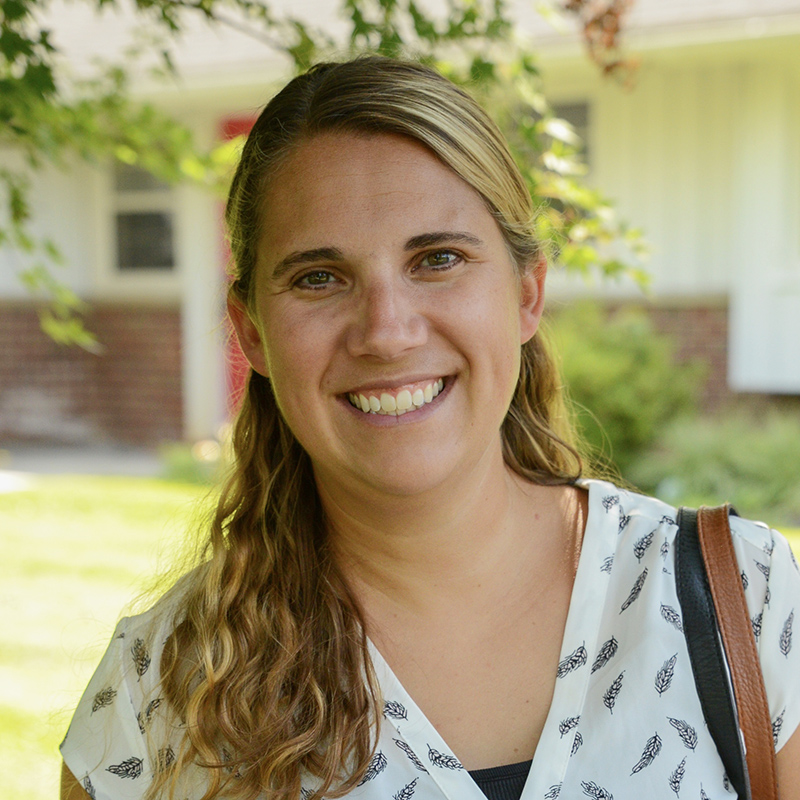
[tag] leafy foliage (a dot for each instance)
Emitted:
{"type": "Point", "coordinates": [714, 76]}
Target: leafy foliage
{"type": "Point", "coordinates": [48, 118]}
{"type": "Point", "coordinates": [625, 372]}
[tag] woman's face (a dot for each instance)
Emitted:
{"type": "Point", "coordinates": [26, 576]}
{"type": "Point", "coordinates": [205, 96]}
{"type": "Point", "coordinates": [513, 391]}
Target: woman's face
{"type": "Point", "coordinates": [388, 314]}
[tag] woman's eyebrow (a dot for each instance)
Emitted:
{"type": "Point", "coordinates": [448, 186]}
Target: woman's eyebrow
{"type": "Point", "coordinates": [306, 257]}
{"type": "Point", "coordinates": [442, 237]}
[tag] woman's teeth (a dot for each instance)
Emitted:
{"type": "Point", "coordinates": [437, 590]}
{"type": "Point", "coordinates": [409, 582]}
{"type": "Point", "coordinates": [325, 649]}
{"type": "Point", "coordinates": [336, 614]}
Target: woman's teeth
{"type": "Point", "coordinates": [403, 402]}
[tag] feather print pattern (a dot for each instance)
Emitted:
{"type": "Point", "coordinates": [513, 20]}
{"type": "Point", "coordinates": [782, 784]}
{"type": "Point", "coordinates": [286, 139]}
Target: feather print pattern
{"type": "Point", "coordinates": [762, 568]}
{"type": "Point", "coordinates": [610, 697]}
{"type": "Point", "coordinates": [777, 724]}
{"type": "Point", "coordinates": [407, 792]}
{"type": "Point", "coordinates": [785, 642]}
{"type": "Point", "coordinates": [651, 749]}
{"type": "Point", "coordinates": [553, 792]}
{"type": "Point", "coordinates": [89, 788]}
{"type": "Point", "coordinates": [672, 616]}
{"type": "Point", "coordinates": [608, 564]}
{"type": "Point", "coordinates": [572, 662]}
{"type": "Point", "coordinates": [687, 733]}
{"type": "Point", "coordinates": [610, 501]}
{"type": "Point", "coordinates": [703, 795]}
{"type": "Point", "coordinates": [566, 725]}
{"type": "Point", "coordinates": [664, 549]}
{"type": "Point", "coordinates": [412, 756]}
{"type": "Point", "coordinates": [376, 766]}
{"type": "Point", "coordinates": [395, 710]}
{"type": "Point", "coordinates": [667, 520]}
{"type": "Point", "coordinates": [665, 674]}
{"type": "Point", "coordinates": [166, 756]}
{"type": "Point", "coordinates": [306, 794]}
{"type": "Point", "coordinates": [104, 698]}
{"type": "Point", "coordinates": [443, 760]}
{"type": "Point", "coordinates": [635, 591]}
{"type": "Point", "coordinates": [640, 547]}
{"type": "Point", "coordinates": [756, 623]}
{"type": "Point", "coordinates": [606, 652]}
{"type": "Point", "coordinates": [130, 768]}
{"type": "Point", "coordinates": [141, 658]}
{"type": "Point", "coordinates": [624, 519]}
{"type": "Point", "coordinates": [143, 717]}
{"type": "Point", "coordinates": [591, 789]}
{"type": "Point", "coordinates": [676, 778]}
{"type": "Point", "coordinates": [576, 743]}
{"type": "Point", "coordinates": [745, 580]}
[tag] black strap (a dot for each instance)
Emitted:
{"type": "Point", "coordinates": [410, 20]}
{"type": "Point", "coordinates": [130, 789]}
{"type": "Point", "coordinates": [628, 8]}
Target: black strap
{"type": "Point", "coordinates": [705, 652]}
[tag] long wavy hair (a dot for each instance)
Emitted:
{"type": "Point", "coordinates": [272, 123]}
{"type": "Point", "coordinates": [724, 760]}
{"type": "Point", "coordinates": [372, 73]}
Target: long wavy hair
{"type": "Point", "coordinates": [267, 668]}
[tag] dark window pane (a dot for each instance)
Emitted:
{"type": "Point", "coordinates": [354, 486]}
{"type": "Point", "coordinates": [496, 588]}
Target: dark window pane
{"type": "Point", "coordinates": [136, 179]}
{"type": "Point", "coordinates": [144, 240]}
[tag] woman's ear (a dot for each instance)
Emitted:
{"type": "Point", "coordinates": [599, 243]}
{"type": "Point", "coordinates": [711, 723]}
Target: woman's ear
{"type": "Point", "coordinates": [248, 334]}
{"type": "Point", "coordinates": [531, 301]}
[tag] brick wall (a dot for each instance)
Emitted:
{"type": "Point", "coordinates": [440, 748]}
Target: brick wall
{"type": "Point", "coordinates": [131, 393]}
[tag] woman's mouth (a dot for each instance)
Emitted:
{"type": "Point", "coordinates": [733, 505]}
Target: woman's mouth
{"type": "Point", "coordinates": [397, 402]}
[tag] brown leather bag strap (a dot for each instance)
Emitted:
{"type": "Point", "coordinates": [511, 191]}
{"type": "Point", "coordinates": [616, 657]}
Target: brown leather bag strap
{"type": "Point", "coordinates": [733, 618]}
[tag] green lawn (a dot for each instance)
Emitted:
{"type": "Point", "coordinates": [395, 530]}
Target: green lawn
{"type": "Point", "coordinates": [76, 551]}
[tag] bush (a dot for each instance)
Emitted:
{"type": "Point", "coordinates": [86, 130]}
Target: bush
{"type": "Point", "coordinates": [622, 378]}
{"type": "Point", "coordinates": [749, 459]}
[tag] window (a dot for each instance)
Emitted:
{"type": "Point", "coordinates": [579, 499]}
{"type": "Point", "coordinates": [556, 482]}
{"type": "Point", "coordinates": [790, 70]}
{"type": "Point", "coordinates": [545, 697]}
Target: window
{"type": "Point", "coordinates": [143, 221]}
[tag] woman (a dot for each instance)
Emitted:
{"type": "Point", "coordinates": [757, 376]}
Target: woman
{"type": "Point", "coordinates": [408, 591]}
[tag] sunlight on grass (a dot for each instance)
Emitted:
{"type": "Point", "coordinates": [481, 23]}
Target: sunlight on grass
{"type": "Point", "coordinates": [77, 550]}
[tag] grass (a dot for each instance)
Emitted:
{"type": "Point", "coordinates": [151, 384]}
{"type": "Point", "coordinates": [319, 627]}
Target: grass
{"type": "Point", "coordinates": [76, 551]}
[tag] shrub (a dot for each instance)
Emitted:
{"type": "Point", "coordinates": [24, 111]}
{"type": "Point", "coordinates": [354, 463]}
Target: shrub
{"type": "Point", "coordinates": [622, 377]}
{"type": "Point", "coordinates": [747, 458]}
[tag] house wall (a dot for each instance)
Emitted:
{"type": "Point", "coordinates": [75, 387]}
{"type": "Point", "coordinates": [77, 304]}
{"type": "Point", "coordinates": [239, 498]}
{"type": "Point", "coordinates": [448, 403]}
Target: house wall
{"type": "Point", "coordinates": [130, 393]}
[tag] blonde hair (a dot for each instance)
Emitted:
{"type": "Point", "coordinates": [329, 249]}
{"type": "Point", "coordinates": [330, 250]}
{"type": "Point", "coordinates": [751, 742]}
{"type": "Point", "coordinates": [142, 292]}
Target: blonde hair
{"type": "Point", "coordinates": [268, 664]}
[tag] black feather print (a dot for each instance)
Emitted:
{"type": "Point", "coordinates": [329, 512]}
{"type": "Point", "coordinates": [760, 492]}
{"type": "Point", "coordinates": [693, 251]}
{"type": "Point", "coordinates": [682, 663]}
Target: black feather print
{"type": "Point", "coordinates": [762, 568]}
{"type": "Point", "coordinates": [376, 766]}
{"type": "Point", "coordinates": [166, 756]}
{"type": "Point", "coordinates": [664, 549]}
{"type": "Point", "coordinates": [130, 768]}
{"type": "Point", "coordinates": [794, 560]}
{"type": "Point", "coordinates": [651, 749]}
{"type": "Point", "coordinates": [745, 580]}
{"type": "Point", "coordinates": [687, 733]}
{"type": "Point", "coordinates": [767, 597]}
{"type": "Point", "coordinates": [572, 662]}
{"type": "Point", "coordinates": [566, 725]}
{"type": "Point", "coordinates": [610, 501]}
{"type": "Point", "coordinates": [676, 778]}
{"type": "Point", "coordinates": [306, 794]}
{"type": "Point", "coordinates": [105, 697]}
{"type": "Point", "coordinates": [640, 547]}
{"type": "Point", "coordinates": [412, 756]}
{"type": "Point", "coordinates": [672, 616]}
{"type": "Point", "coordinates": [608, 564]}
{"type": "Point", "coordinates": [726, 782]}
{"type": "Point", "coordinates": [610, 697]}
{"type": "Point", "coordinates": [769, 547]}
{"type": "Point", "coordinates": [605, 654]}
{"type": "Point", "coordinates": [407, 792]}
{"type": "Point", "coordinates": [121, 635]}
{"type": "Point", "coordinates": [141, 658]}
{"type": "Point", "coordinates": [785, 643]}
{"type": "Point", "coordinates": [703, 795]}
{"type": "Point", "coordinates": [624, 519]}
{"type": "Point", "coordinates": [591, 789]}
{"type": "Point", "coordinates": [88, 788]}
{"type": "Point", "coordinates": [664, 676]}
{"type": "Point", "coordinates": [756, 623]}
{"type": "Point", "coordinates": [553, 792]}
{"type": "Point", "coordinates": [576, 743]}
{"type": "Point", "coordinates": [443, 760]}
{"type": "Point", "coordinates": [777, 724]}
{"type": "Point", "coordinates": [395, 710]}
{"type": "Point", "coordinates": [635, 591]}
{"type": "Point", "coordinates": [667, 520]}
{"type": "Point", "coordinates": [144, 717]}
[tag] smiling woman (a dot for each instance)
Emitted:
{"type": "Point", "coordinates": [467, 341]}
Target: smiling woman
{"type": "Point", "coordinates": [409, 575]}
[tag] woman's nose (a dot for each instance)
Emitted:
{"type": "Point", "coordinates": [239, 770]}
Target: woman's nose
{"type": "Point", "coordinates": [387, 322]}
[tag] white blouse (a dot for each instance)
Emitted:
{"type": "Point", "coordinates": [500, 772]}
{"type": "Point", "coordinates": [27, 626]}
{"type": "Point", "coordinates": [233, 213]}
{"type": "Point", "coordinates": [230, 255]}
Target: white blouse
{"type": "Point", "coordinates": [625, 720]}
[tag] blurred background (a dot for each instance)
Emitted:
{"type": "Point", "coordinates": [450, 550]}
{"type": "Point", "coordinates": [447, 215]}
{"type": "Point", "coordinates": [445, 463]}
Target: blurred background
{"type": "Point", "coordinates": [661, 139]}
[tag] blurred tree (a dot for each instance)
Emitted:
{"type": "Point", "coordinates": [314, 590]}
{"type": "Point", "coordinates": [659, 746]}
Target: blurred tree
{"type": "Point", "coordinates": [48, 117]}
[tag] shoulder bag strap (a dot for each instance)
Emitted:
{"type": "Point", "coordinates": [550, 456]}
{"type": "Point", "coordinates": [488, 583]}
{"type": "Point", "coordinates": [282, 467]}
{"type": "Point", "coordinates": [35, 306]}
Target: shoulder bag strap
{"type": "Point", "coordinates": [740, 646]}
{"type": "Point", "coordinates": [705, 652]}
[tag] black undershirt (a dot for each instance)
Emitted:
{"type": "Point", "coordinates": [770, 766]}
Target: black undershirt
{"type": "Point", "coordinates": [502, 783]}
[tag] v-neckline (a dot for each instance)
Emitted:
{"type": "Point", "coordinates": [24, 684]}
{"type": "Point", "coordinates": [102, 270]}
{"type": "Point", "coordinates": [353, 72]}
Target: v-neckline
{"type": "Point", "coordinates": [581, 632]}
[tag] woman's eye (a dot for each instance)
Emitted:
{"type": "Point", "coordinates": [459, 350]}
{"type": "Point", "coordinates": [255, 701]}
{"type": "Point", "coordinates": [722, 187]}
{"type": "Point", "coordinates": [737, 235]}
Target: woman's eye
{"type": "Point", "coordinates": [440, 259]}
{"type": "Point", "coordinates": [313, 280]}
